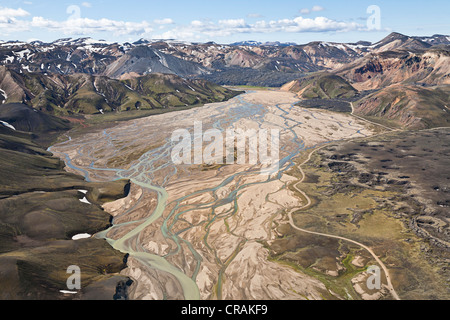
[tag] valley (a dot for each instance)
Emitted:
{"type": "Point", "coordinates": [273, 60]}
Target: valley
{"type": "Point", "coordinates": [204, 231]}
{"type": "Point", "coordinates": [88, 176]}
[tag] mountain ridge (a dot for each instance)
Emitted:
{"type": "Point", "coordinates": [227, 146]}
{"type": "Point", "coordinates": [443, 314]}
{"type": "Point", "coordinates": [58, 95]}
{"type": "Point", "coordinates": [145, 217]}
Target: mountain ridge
{"type": "Point", "coordinates": [70, 76]}
{"type": "Point", "coordinates": [186, 59]}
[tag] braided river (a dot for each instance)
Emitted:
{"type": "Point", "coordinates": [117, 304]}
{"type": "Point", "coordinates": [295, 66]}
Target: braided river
{"type": "Point", "coordinates": [196, 231]}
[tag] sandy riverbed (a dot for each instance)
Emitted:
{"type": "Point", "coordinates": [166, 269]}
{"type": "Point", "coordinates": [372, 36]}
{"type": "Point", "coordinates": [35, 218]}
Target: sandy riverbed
{"type": "Point", "coordinates": [210, 238]}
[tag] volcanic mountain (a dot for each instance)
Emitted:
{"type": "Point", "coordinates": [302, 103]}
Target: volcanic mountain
{"type": "Point", "coordinates": [223, 64]}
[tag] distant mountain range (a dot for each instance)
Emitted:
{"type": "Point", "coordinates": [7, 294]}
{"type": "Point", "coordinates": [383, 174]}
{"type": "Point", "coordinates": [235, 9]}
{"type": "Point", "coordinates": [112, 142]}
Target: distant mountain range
{"type": "Point", "coordinates": [71, 76]}
{"type": "Point", "coordinates": [268, 44]}
{"type": "Point", "coordinates": [402, 79]}
{"type": "Point", "coordinates": [118, 61]}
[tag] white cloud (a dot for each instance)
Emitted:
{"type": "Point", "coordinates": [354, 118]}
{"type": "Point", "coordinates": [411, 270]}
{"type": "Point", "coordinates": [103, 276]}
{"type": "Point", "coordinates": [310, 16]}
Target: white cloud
{"type": "Point", "coordinates": [254, 15]}
{"type": "Point", "coordinates": [207, 29]}
{"type": "Point", "coordinates": [8, 13]}
{"type": "Point", "coordinates": [87, 4]}
{"type": "Point", "coordinates": [233, 23]}
{"type": "Point", "coordinates": [9, 21]}
{"type": "Point", "coordinates": [15, 20]}
{"type": "Point", "coordinates": [197, 24]}
{"type": "Point", "coordinates": [164, 21]}
{"type": "Point", "coordinates": [85, 26]}
{"type": "Point", "coordinates": [317, 9]}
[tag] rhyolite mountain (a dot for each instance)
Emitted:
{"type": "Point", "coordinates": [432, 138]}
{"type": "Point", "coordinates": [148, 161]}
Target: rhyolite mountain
{"type": "Point", "coordinates": [205, 60]}
{"type": "Point", "coordinates": [84, 76]}
{"type": "Point", "coordinates": [407, 84]}
{"type": "Point", "coordinates": [423, 67]}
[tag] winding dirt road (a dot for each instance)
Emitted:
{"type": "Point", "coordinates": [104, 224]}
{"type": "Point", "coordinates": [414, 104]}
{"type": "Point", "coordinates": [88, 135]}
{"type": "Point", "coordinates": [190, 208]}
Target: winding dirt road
{"type": "Point", "coordinates": [368, 121]}
{"type": "Point", "coordinates": [309, 202]}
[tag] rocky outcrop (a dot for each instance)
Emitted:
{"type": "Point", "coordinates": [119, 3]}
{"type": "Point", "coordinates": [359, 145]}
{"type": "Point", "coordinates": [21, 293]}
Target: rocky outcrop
{"type": "Point", "coordinates": [430, 67]}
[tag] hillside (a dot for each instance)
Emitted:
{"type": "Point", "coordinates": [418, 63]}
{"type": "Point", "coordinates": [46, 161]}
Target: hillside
{"type": "Point", "coordinates": [396, 41]}
{"type": "Point", "coordinates": [143, 60]}
{"type": "Point", "coordinates": [413, 107]}
{"type": "Point", "coordinates": [86, 94]}
{"type": "Point", "coordinates": [407, 84]}
{"type": "Point", "coordinates": [25, 118]}
{"type": "Point", "coordinates": [321, 86]}
{"type": "Point", "coordinates": [429, 67]}
{"type": "Point", "coordinates": [41, 209]}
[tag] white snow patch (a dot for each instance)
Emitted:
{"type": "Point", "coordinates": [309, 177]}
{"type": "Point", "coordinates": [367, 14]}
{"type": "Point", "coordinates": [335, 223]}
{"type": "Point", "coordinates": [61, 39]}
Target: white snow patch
{"type": "Point", "coordinates": [46, 49]}
{"type": "Point", "coordinates": [4, 95]}
{"type": "Point", "coordinates": [162, 60]}
{"type": "Point", "coordinates": [90, 48]}
{"type": "Point", "coordinates": [22, 53]}
{"type": "Point", "coordinates": [81, 236]}
{"type": "Point", "coordinates": [92, 41]}
{"type": "Point", "coordinates": [102, 94]}
{"type": "Point", "coordinates": [13, 44]}
{"type": "Point", "coordinates": [336, 45]}
{"type": "Point", "coordinates": [68, 292]}
{"type": "Point", "coordinates": [27, 68]}
{"type": "Point", "coordinates": [6, 124]}
{"type": "Point", "coordinates": [9, 59]}
{"type": "Point", "coordinates": [84, 200]}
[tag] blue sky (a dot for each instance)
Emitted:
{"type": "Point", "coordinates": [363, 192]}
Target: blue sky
{"type": "Point", "coordinates": [220, 21]}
